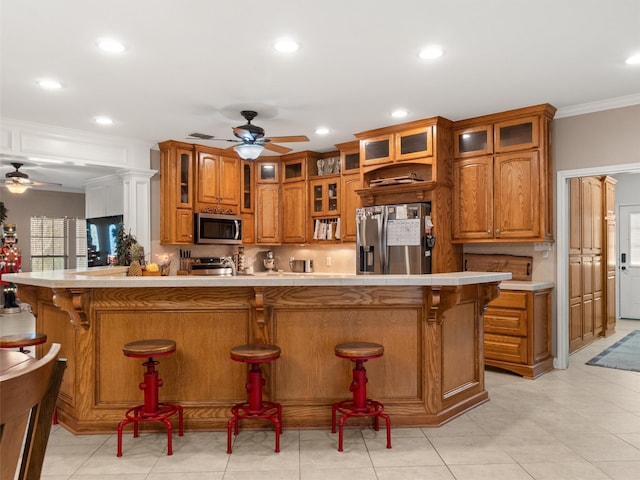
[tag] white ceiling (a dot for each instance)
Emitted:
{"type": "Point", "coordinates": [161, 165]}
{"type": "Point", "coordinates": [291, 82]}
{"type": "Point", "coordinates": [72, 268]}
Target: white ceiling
{"type": "Point", "coordinates": [193, 65]}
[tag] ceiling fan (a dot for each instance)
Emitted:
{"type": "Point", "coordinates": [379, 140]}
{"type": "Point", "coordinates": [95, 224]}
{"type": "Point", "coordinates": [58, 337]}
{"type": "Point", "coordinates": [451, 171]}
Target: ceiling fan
{"type": "Point", "coordinates": [251, 140]}
{"type": "Point", "coordinates": [19, 182]}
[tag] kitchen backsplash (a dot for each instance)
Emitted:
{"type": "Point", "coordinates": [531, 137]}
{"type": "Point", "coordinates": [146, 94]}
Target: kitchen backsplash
{"type": "Point", "coordinates": [342, 258]}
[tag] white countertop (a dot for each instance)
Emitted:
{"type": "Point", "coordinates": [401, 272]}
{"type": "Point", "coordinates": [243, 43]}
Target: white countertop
{"type": "Point", "coordinates": [525, 285]}
{"type": "Point", "coordinates": [115, 277]}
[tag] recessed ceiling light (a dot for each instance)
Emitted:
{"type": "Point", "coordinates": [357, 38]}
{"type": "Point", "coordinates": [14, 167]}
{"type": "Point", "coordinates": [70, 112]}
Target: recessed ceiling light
{"type": "Point", "coordinates": [633, 59]}
{"type": "Point", "coordinates": [286, 45]}
{"type": "Point", "coordinates": [49, 84]}
{"type": "Point", "coordinates": [399, 113]}
{"type": "Point", "coordinates": [322, 130]}
{"type": "Point", "coordinates": [110, 45]}
{"type": "Point", "coordinates": [431, 53]}
{"type": "Point", "coordinates": [104, 121]}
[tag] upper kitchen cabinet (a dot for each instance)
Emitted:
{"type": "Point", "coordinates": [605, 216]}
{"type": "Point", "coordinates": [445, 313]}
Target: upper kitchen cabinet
{"type": "Point", "coordinates": [247, 201]}
{"type": "Point", "coordinates": [297, 167]}
{"type": "Point", "coordinates": [267, 171]}
{"type": "Point", "coordinates": [502, 184]}
{"type": "Point", "coordinates": [418, 152]}
{"type": "Point", "coordinates": [176, 192]}
{"type": "Point", "coordinates": [267, 207]}
{"type": "Point", "coordinates": [473, 141]}
{"type": "Point", "coordinates": [394, 144]}
{"type": "Point", "coordinates": [218, 181]}
{"type": "Point", "coordinates": [349, 185]}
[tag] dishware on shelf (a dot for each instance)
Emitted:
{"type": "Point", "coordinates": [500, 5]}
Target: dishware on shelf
{"type": "Point", "coordinates": [320, 164]}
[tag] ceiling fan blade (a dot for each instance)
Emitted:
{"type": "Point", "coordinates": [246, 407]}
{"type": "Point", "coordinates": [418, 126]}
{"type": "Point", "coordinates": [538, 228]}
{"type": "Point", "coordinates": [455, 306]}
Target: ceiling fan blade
{"type": "Point", "coordinates": [276, 148]}
{"type": "Point", "coordinates": [291, 138]}
{"type": "Point", "coordinates": [243, 133]}
{"type": "Point", "coordinates": [35, 183]}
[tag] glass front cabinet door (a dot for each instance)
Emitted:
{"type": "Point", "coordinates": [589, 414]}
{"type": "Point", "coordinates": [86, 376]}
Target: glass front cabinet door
{"type": "Point", "coordinates": [324, 197]}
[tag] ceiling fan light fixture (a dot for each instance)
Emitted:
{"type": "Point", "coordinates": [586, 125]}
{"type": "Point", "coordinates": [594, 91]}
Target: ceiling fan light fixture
{"type": "Point", "coordinates": [17, 187]}
{"type": "Point", "coordinates": [249, 151]}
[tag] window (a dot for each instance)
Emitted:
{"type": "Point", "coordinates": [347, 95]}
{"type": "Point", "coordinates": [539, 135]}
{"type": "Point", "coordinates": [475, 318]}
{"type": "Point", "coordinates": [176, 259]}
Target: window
{"type": "Point", "coordinates": [58, 243]}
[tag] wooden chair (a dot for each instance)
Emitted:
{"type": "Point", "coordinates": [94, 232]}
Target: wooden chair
{"type": "Point", "coordinates": [27, 401]}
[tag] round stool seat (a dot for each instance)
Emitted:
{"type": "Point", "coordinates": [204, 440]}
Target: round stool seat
{"type": "Point", "coordinates": [21, 340]}
{"type": "Point", "coordinates": [255, 353]}
{"type": "Point", "coordinates": [156, 347]}
{"type": "Point", "coordinates": [359, 350]}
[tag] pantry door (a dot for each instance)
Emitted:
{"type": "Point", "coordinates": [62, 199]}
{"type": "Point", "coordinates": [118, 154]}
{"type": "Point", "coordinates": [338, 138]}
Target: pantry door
{"type": "Point", "coordinates": [629, 261]}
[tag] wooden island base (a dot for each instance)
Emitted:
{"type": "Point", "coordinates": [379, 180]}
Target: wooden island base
{"type": "Point", "coordinates": [432, 369]}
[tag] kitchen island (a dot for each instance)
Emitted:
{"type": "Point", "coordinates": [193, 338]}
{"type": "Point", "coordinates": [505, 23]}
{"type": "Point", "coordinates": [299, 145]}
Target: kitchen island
{"type": "Point", "coordinates": [430, 325]}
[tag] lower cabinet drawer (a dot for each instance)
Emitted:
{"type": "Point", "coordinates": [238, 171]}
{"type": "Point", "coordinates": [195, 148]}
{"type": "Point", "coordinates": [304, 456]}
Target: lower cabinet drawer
{"type": "Point", "coordinates": [505, 321]}
{"type": "Point", "coordinates": [505, 348]}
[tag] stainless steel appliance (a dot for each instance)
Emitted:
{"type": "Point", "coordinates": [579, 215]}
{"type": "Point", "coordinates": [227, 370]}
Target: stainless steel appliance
{"type": "Point", "coordinates": [301, 266]}
{"type": "Point", "coordinates": [394, 239]}
{"type": "Point", "coordinates": [217, 266]}
{"type": "Point", "coordinates": [217, 229]}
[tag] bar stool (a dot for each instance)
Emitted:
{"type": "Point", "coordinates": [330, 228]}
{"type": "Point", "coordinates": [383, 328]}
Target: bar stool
{"type": "Point", "coordinates": [22, 340]}
{"type": "Point", "coordinates": [152, 410]}
{"type": "Point", "coordinates": [255, 407]}
{"type": "Point", "coordinates": [359, 405]}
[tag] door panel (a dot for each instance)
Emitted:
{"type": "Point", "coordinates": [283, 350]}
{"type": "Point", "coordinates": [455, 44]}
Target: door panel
{"type": "Point", "coordinates": [630, 267]}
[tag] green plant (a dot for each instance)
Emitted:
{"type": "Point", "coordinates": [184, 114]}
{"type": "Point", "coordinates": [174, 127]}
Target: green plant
{"type": "Point", "coordinates": [124, 244]}
{"type": "Point", "coordinates": [3, 212]}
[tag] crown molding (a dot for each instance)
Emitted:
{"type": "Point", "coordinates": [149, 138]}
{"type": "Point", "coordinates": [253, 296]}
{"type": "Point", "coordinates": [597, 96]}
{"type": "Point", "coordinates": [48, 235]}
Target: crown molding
{"type": "Point", "coordinates": [598, 106]}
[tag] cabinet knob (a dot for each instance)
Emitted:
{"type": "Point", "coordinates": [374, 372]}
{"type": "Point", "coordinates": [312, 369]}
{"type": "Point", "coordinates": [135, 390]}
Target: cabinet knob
{"type": "Point", "coordinates": [488, 231]}
{"type": "Point", "coordinates": [497, 230]}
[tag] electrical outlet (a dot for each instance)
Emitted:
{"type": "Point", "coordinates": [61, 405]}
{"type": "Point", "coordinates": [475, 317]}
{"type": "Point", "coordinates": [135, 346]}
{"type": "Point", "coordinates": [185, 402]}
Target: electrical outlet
{"type": "Point", "coordinates": [328, 261]}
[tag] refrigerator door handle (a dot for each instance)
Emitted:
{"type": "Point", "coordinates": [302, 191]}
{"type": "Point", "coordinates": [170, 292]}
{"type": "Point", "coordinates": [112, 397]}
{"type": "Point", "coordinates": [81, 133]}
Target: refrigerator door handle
{"type": "Point", "coordinates": [382, 235]}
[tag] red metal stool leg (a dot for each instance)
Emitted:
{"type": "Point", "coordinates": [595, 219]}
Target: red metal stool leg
{"type": "Point", "coordinates": [152, 410]}
{"type": "Point", "coordinates": [358, 406]}
{"type": "Point", "coordinates": [255, 407]}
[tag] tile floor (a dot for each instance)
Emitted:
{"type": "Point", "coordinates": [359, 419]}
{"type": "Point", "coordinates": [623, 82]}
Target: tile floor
{"type": "Point", "coordinates": [581, 423]}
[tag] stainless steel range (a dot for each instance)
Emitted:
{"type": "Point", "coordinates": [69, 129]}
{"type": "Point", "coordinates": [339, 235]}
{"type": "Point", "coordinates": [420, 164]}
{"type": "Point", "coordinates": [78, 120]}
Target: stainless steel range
{"type": "Point", "coordinates": [215, 266]}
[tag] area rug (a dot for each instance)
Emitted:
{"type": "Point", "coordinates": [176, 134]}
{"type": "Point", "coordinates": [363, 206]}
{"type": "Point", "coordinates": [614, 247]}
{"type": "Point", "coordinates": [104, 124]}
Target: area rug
{"type": "Point", "coordinates": [623, 355]}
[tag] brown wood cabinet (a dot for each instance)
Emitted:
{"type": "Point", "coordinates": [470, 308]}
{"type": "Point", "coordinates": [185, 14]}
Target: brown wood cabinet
{"type": "Point", "coordinates": [176, 193]}
{"type": "Point", "coordinates": [349, 185]}
{"type": "Point", "coordinates": [218, 181]}
{"type": "Point", "coordinates": [502, 177]}
{"type": "Point", "coordinates": [591, 260]}
{"type": "Point", "coordinates": [609, 253]}
{"type": "Point", "coordinates": [294, 212]}
{"type": "Point", "coordinates": [517, 328]}
{"type": "Point", "coordinates": [268, 214]}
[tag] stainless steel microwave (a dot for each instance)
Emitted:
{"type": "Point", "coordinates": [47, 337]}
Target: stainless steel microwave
{"type": "Point", "coordinates": [217, 229]}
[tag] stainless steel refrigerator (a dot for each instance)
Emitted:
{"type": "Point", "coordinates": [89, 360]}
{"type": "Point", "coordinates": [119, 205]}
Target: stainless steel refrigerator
{"type": "Point", "coordinates": [394, 239]}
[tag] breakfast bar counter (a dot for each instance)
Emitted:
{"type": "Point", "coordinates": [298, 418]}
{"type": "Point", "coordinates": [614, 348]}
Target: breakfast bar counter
{"type": "Point", "coordinates": [431, 327]}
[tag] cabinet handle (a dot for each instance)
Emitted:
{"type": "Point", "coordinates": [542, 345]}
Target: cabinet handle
{"type": "Point", "coordinates": [488, 231]}
{"type": "Point", "coordinates": [497, 230]}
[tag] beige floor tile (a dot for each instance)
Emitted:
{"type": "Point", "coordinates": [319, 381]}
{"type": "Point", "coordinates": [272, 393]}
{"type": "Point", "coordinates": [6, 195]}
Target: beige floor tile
{"type": "Point", "coordinates": [580, 470]}
{"type": "Point", "coordinates": [263, 475]}
{"type": "Point", "coordinates": [490, 472]}
{"type": "Point", "coordinates": [254, 451]}
{"type": "Point", "coordinates": [620, 470]}
{"type": "Point", "coordinates": [414, 473]}
{"type": "Point", "coordinates": [324, 454]}
{"type": "Point", "coordinates": [404, 451]}
{"type": "Point", "coordinates": [471, 450]}
{"type": "Point", "coordinates": [601, 448]}
{"type": "Point", "coordinates": [310, 473]}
